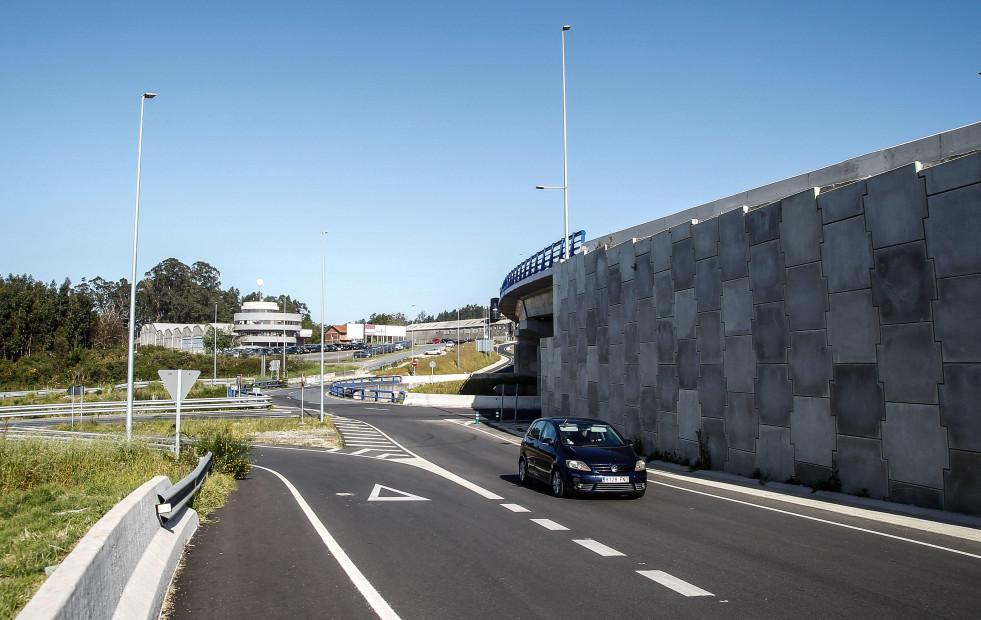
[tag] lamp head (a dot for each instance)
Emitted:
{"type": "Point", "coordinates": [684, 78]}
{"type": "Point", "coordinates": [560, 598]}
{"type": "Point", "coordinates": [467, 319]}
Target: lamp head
{"type": "Point", "coordinates": [149, 95]}
{"type": "Point", "coordinates": [566, 27]}
{"type": "Point", "coordinates": [539, 187]}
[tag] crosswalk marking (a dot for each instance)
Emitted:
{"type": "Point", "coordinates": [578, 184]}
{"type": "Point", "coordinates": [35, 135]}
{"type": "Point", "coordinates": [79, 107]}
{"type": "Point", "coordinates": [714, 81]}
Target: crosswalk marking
{"type": "Point", "coordinates": [670, 581]}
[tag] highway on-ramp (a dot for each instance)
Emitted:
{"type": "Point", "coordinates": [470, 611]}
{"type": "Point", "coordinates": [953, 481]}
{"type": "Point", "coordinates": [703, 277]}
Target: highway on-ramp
{"type": "Point", "coordinates": [420, 516]}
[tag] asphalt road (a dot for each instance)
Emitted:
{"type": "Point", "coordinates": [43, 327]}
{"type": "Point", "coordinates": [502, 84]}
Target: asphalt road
{"type": "Point", "coordinates": [421, 516]}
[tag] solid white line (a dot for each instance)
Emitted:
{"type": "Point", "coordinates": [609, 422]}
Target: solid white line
{"type": "Point", "coordinates": [809, 518]}
{"type": "Point", "coordinates": [379, 604]}
{"type": "Point", "coordinates": [670, 581]}
{"type": "Point", "coordinates": [515, 508]}
{"type": "Point", "coordinates": [548, 524]}
{"type": "Point", "coordinates": [600, 548]}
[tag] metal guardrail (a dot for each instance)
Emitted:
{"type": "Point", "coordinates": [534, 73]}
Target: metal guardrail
{"type": "Point", "coordinates": [173, 499]}
{"type": "Point", "coordinates": [543, 260]}
{"type": "Point", "coordinates": [140, 406]}
{"type": "Point", "coordinates": [350, 388]}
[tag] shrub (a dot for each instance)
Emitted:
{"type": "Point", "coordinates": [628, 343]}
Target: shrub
{"type": "Point", "coordinates": [230, 454]}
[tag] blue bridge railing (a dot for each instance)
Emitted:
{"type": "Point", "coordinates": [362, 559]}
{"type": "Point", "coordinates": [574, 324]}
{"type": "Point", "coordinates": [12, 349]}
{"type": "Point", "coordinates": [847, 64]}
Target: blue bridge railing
{"type": "Point", "coordinates": [543, 260]}
{"type": "Point", "coordinates": [369, 388]}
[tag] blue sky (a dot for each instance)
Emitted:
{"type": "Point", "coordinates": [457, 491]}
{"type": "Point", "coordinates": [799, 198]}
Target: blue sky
{"type": "Point", "coordinates": [415, 132]}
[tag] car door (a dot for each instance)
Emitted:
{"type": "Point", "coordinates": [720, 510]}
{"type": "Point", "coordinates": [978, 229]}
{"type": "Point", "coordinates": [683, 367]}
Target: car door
{"type": "Point", "coordinates": [531, 449]}
{"type": "Point", "coordinates": [547, 448]}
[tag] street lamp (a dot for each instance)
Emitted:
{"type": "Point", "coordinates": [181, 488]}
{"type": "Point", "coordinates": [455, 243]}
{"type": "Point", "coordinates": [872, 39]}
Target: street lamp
{"type": "Point", "coordinates": [323, 280]}
{"type": "Point", "coordinates": [566, 251]}
{"type": "Point", "coordinates": [132, 284]}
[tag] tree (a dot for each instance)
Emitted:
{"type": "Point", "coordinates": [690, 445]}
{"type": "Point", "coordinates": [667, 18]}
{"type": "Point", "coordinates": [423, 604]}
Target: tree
{"type": "Point", "coordinates": [225, 340]}
{"type": "Point", "coordinates": [387, 319]}
{"type": "Point", "coordinates": [422, 317]}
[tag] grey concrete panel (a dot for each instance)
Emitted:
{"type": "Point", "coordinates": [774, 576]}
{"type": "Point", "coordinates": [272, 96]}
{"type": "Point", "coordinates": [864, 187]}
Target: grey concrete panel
{"type": "Point", "coordinates": [631, 343]}
{"type": "Point", "coordinates": [591, 327]}
{"type": "Point", "coordinates": [710, 337]}
{"type": "Point", "coordinates": [683, 264]}
{"type": "Point", "coordinates": [915, 444]}
{"type": "Point", "coordinates": [631, 423]}
{"type": "Point", "coordinates": [667, 388]}
{"type": "Point", "coordinates": [953, 174]}
{"type": "Point", "coordinates": [631, 386]}
{"type": "Point", "coordinates": [763, 224]}
{"type": "Point", "coordinates": [774, 395]}
{"type": "Point", "coordinates": [644, 277]}
{"type": "Point", "coordinates": [648, 364]}
{"type": "Point", "coordinates": [861, 467]}
{"type": "Point", "coordinates": [714, 436]}
{"type": "Point", "coordinates": [810, 474]}
{"type": "Point", "coordinates": [648, 408]}
{"type": "Point", "coordinates": [628, 262]}
{"type": "Point", "coordinates": [681, 231]}
{"type": "Point", "coordinates": [800, 228]}
{"type": "Point", "coordinates": [667, 431]}
{"type": "Point", "coordinates": [771, 333]}
{"type": "Point", "coordinates": [846, 255]}
{"type": "Point", "coordinates": [853, 327]}
{"type": "Point", "coordinates": [741, 462]}
{"type": "Point", "coordinates": [774, 453]}
{"type": "Point", "coordinates": [957, 318]}
{"type": "Point", "coordinates": [705, 238]}
{"type": "Point", "coordinates": [613, 283]}
{"type": "Point", "coordinates": [617, 402]}
{"type": "Point", "coordinates": [582, 347]}
{"type": "Point", "coordinates": [603, 344]}
{"type": "Point", "coordinates": [857, 401]}
{"type": "Point", "coordinates": [895, 206]}
{"type": "Point", "coordinates": [616, 364]}
{"type": "Point", "coordinates": [592, 399]}
{"type": "Point", "coordinates": [708, 284]}
{"type": "Point", "coordinates": [767, 274]}
{"type": "Point", "coordinates": [906, 493]}
{"type": "Point", "coordinates": [666, 341]}
{"type": "Point", "coordinates": [842, 203]}
{"type": "Point", "coordinates": [733, 245]}
{"type": "Point", "coordinates": [806, 297]}
{"type": "Point", "coordinates": [712, 390]}
{"type": "Point", "coordinates": [953, 230]}
{"type": "Point", "coordinates": [646, 321]}
{"type": "Point", "coordinates": [661, 251]}
{"type": "Point", "coordinates": [602, 269]}
{"type": "Point", "coordinates": [903, 283]}
{"type": "Point", "coordinates": [909, 363]}
{"type": "Point", "coordinates": [742, 422]}
{"type": "Point", "coordinates": [615, 324]}
{"type": "Point", "coordinates": [687, 364]}
{"type": "Point", "coordinates": [959, 411]}
{"type": "Point", "coordinates": [685, 313]}
{"type": "Point", "coordinates": [737, 307]}
{"type": "Point", "coordinates": [663, 294]}
{"type": "Point", "coordinates": [810, 363]}
{"type": "Point", "coordinates": [689, 415]}
{"type": "Point", "coordinates": [962, 483]}
{"type": "Point", "coordinates": [740, 363]}
{"type": "Point", "coordinates": [813, 430]}
{"type": "Point", "coordinates": [602, 306]}
{"type": "Point", "coordinates": [629, 301]}
{"type": "Point", "coordinates": [592, 364]}
{"type": "Point", "coordinates": [589, 262]}
{"type": "Point", "coordinates": [603, 389]}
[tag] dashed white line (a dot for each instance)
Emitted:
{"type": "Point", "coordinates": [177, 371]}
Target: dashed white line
{"type": "Point", "coordinates": [599, 548]}
{"type": "Point", "coordinates": [515, 508]}
{"type": "Point", "coordinates": [670, 581]}
{"type": "Point", "coordinates": [548, 524]}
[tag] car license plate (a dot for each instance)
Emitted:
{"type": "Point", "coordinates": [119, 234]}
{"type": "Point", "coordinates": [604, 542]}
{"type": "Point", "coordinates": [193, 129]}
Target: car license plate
{"type": "Point", "coordinates": [616, 479]}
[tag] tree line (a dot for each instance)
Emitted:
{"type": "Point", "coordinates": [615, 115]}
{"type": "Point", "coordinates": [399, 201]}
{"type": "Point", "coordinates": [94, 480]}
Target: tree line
{"type": "Point", "coordinates": [471, 311]}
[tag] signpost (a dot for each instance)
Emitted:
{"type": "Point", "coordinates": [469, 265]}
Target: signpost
{"type": "Point", "coordinates": [432, 370]}
{"type": "Point", "coordinates": [414, 364]}
{"type": "Point", "coordinates": [73, 391]}
{"type": "Point", "coordinates": [178, 384]}
{"type": "Point", "coordinates": [303, 381]}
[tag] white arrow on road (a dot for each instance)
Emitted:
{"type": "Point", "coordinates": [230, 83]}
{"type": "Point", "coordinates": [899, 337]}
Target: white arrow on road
{"type": "Point", "coordinates": [402, 496]}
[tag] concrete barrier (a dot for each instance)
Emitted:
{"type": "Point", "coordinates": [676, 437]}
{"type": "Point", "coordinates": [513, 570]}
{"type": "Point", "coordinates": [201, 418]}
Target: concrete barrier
{"type": "Point", "coordinates": [453, 401]}
{"type": "Point", "coordinates": [122, 567]}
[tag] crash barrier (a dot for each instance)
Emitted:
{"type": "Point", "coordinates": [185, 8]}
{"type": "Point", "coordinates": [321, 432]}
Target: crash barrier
{"type": "Point", "coordinates": [369, 388]}
{"type": "Point", "coordinates": [170, 502]}
{"type": "Point", "coordinates": [140, 406]}
{"type": "Point", "coordinates": [543, 260]}
{"type": "Point", "coordinates": [123, 566]}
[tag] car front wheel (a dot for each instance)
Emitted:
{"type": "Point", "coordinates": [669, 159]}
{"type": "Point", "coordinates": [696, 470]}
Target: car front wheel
{"type": "Point", "coordinates": [522, 471]}
{"type": "Point", "coordinates": [558, 485]}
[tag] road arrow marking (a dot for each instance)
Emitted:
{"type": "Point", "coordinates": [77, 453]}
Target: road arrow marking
{"type": "Point", "coordinates": [401, 497]}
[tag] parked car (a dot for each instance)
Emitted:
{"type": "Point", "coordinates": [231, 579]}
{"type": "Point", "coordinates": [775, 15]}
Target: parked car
{"type": "Point", "coordinates": [581, 455]}
{"type": "Point", "coordinates": [432, 352]}
{"type": "Point", "coordinates": [362, 353]}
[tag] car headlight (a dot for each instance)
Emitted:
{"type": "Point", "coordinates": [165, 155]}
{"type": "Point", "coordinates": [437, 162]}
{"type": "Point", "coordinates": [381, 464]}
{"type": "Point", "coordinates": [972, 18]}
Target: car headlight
{"type": "Point", "coordinates": [577, 465]}
{"type": "Point", "coordinates": [641, 465]}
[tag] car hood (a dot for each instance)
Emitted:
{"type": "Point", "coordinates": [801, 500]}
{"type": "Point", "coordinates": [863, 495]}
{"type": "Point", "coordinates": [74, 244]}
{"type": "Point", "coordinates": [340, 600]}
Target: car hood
{"type": "Point", "coordinates": [620, 454]}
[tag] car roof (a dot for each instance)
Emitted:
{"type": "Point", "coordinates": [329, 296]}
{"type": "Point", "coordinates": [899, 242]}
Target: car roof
{"type": "Point", "coordinates": [586, 420]}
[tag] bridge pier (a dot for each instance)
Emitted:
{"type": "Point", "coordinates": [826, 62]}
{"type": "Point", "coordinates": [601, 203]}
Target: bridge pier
{"type": "Point", "coordinates": [526, 350]}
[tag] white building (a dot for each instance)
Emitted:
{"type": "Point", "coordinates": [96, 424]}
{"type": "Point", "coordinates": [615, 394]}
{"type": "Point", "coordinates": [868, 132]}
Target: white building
{"type": "Point", "coordinates": [261, 324]}
{"type": "Point", "coordinates": [178, 336]}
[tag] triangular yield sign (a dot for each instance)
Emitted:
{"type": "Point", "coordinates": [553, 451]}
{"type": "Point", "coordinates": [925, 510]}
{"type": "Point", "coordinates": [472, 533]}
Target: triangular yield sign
{"type": "Point", "coordinates": [169, 380]}
{"type": "Point", "coordinates": [401, 497]}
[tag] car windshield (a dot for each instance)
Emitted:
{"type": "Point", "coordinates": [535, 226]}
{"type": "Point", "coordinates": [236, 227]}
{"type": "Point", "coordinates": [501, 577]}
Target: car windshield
{"type": "Point", "coordinates": [589, 434]}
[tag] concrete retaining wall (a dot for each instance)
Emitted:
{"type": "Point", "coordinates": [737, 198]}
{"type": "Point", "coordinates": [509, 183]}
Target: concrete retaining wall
{"type": "Point", "coordinates": [452, 401]}
{"type": "Point", "coordinates": [122, 567]}
{"type": "Point", "coordinates": [829, 333]}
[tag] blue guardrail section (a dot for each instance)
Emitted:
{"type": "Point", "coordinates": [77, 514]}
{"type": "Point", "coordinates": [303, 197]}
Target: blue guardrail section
{"type": "Point", "coordinates": [543, 260]}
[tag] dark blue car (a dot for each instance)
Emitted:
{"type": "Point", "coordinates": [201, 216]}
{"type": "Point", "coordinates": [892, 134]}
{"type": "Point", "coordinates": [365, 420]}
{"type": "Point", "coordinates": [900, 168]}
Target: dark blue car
{"type": "Point", "coordinates": [581, 455]}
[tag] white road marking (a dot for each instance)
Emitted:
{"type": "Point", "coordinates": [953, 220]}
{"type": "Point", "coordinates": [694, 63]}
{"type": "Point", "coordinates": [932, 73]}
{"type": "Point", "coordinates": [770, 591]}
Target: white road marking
{"type": "Point", "coordinates": [515, 508]}
{"type": "Point", "coordinates": [600, 548]}
{"type": "Point", "coordinates": [379, 604]}
{"type": "Point", "coordinates": [678, 585]}
{"type": "Point", "coordinates": [548, 524]}
{"type": "Point", "coordinates": [809, 518]}
{"type": "Point", "coordinates": [375, 409]}
{"type": "Point", "coordinates": [402, 496]}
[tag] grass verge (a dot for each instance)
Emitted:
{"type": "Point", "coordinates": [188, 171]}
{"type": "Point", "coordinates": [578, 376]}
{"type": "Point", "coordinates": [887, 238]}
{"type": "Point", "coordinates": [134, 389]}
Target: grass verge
{"type": "Point", "coordinates": [470, 361]}
{"type": "Point", "coordinates": [480, 387]}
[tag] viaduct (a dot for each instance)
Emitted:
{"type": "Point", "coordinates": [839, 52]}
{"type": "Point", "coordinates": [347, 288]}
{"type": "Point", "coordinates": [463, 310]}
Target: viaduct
{"type": "Point", "coordinates": [824, 329]}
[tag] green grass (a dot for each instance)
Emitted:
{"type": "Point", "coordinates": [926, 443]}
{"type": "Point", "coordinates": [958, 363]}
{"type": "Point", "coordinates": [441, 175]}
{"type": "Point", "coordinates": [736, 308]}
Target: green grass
{"type": "Point", "coordinates": [470, 361]}
{"type": "Point", "coordinates": [51, 493]}
{"type": "Point", "coordinates": [241, 427]}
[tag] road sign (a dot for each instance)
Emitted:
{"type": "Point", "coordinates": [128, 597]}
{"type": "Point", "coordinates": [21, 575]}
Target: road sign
{"type": "Point", "coordinates": [415, 362]}
{"type": "Point", "coordinates": [185, 381]}
{"type": "Point", "coordinates": [432, 364]}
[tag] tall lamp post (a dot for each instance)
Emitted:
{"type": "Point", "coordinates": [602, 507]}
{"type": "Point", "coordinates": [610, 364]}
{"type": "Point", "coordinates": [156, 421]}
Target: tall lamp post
{"type": "Point", "coordinates": [566, 250]}
{"type": "Point", "coordinates": [323, 281]}
{"type": "Point", "coordinates": [132, 284]}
